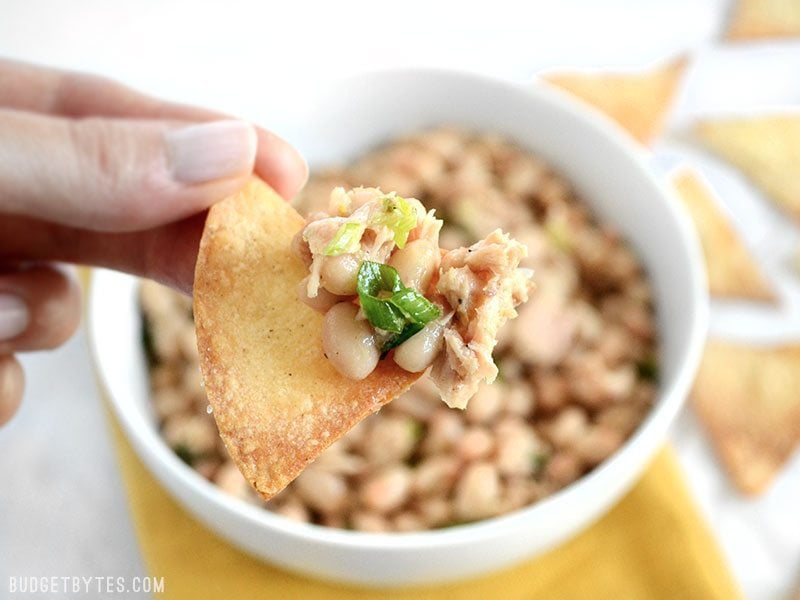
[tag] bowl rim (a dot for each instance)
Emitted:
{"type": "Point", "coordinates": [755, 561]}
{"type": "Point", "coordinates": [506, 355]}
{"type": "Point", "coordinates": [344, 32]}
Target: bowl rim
{"type": "Point", "coordinates": [146, 440]}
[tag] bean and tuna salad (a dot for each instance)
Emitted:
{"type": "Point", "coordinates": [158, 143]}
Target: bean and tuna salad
{"type": "Point", "coordinates": [577, 370]}
{"type": "Point", "coordinates": [386, 288]}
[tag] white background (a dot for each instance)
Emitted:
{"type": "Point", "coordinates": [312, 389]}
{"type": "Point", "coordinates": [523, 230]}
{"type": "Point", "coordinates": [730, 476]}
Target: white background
{"type": "Point", "coordinates": [62, 510]}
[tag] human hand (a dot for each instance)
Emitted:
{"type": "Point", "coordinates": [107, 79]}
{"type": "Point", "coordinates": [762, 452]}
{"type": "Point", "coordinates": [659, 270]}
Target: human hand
{"type": "Point", "coordinates": [92, 172]}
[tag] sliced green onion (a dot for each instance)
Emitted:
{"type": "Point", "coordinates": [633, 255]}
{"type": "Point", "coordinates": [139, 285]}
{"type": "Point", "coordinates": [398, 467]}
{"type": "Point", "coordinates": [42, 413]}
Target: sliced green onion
{"type": "Point", "coordinates": [391, 306]}
{"type": "Point", "coordinates": [374, 278]}
{"type": "Point", "coordinates": [647, 368]}
{"type": "Point", "coordinates": [372, 281]}
{"type": "Point", "coordinates": [399, 216]}
{"type": "Point", "coordinates": [415, 306]}
{"type": "Point", "coordinates": [383, 314]}
{"type": "Point", "coordinates": [346, 240]}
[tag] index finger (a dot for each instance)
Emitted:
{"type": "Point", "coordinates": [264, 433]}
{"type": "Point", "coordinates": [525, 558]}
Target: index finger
{"type": "Point", "coordinates": [39, 89]}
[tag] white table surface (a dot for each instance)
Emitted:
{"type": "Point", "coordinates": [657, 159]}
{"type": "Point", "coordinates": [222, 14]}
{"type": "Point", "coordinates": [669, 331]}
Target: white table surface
{"type": "Point", "coordinates": [62, 509]}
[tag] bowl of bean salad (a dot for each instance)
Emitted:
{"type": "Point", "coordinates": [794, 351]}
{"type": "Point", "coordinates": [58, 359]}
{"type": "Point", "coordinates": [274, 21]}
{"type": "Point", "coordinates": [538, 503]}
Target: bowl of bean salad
{"type": "Point", "coordinates": [591, 373]}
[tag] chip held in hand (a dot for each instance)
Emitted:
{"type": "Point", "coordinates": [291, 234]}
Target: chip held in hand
{"type": "Point", "coordinates": [277, 401]}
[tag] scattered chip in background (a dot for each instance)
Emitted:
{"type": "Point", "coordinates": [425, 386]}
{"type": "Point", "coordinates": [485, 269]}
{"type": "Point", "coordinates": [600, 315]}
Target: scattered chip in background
{"type": "Point", "coordinates": [639, 101]}
{"type": "Point", "coordinates": [763, 19]}
{"type": "Point", "coordinates": [748, 399]}
{"type": "Point", "coordinates": [765, 148]}
{"type": "Point", "coordinates": [732, 272]}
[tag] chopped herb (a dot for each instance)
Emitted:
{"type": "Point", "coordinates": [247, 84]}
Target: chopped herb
{"type": "Point", "coordinates": [346, 240]}
{"type": "Point", "coordinates": [399, 216]}
{"type": "Point", "coordinates": [374, 280]}
{"type": "Point", "coordinates": [391, 306]}
{"type": "Point", "coordinates": [558, 235]}
{"type": "Point", "coordinates": [539, 461]}
{"type": "Point", "coordinates": [148, 343]}
{"type": "Point", "coordinates": [417, 429]}
{"type": "Point", "coordinates": [647, 368]}
{"type": "Point", "coordinates": [184, 454]}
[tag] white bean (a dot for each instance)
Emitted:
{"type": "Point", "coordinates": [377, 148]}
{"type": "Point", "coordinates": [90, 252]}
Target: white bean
{"type": "Point", "coordinates": [170, 401]}
{"type": "Point", "coordinates": [444, 430]}
{"type": "Point", "coordinates": [322, 302]}
{"type": "Point", "coordinates": [563, 468]}
{"type": "Point", "coordinates": [520, 400]}
{"type": "Point", "coordinates": [598, 443]}
{"type": "Point", "coordinates": [369, 521]}
{"type": "Point", "coordinates": [391, 439]}
{"type": "Point", "coordinates": [477, 494]}
{"type": "Point", "coordinates": [231, 480]}
{"type": "Point", "coordinates": [417, 352]}
{"type": "Point", "coordinates": [516, 451]}
{"type": "Point", "coordinates": [435, 475]}
{"type": "Point", "coordinates": [338, 274]}
{"type": "Point", "coordinates": [474, 444]}
{"type": "Point", "coordinates": [386, 489]}
{"type": "Point", "coordinates": [323, 491]}
{"type": "Point", "coordinates": [349, 344]}
{"type": "Point", "coordinates": [416, 263]}
{"type": "Point", "coordinates": [486, 404]}
{"type": "Point", "coordinates": [408, 521]}
{"type": "Point", "coordinates": [435, 511]}
{"type": "Point", "coordinates": [194, 433]}
{"type": "Point", "coordinates": [294, 509]}
{"type": "Point", "coordinates": [568, 427]}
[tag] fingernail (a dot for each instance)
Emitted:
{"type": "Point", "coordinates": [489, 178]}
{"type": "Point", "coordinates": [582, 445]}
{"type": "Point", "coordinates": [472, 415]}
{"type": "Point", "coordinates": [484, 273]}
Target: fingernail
{"type": "Point", "coordinates": [14, 316]}
{"type": "Point", "coordinates": [209, 151]}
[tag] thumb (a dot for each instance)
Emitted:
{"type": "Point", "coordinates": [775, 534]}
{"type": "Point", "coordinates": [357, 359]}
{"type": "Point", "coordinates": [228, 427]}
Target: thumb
{"type": "Point", "coordinates": [118, 174]}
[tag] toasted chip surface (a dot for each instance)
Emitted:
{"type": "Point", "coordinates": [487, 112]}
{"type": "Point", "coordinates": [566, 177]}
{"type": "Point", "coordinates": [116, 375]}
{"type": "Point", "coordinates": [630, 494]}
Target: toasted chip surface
{"type": "Point", "coordinates": [759, 19]}
{"type": "Point", "coordinates": [277, 401]}
{"type": "Point", "coordinates": [747, 399]}
{"type": "Point", "coordinates": [637, 101]}
{"type": "Point", "coordinates": [765, 148]}
{"type": "Point", "coordinates": [732, 272]}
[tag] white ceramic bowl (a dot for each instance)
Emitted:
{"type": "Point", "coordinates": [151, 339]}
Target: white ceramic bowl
{"type": "Point", "coordinates": [607, 169]}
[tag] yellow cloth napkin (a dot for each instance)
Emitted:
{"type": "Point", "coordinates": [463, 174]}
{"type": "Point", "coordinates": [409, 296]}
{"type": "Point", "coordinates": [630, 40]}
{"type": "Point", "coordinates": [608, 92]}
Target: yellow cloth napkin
{"type": "Point", "coordinates": [653, 544]}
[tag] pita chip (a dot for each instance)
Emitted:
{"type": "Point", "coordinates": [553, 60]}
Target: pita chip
{"type": "Point", "coordinates": [638, 101]}
{"type": "Point", "coordinates": [732, 272]}
{"type": "Point", "coordinates": [748, 400]}
{"type": "Point", "coordinates": [764, 19]}
{"type": "Point", "coordinates": [765, 148]}
{"type": "Point", "coordinates": [277, 401]}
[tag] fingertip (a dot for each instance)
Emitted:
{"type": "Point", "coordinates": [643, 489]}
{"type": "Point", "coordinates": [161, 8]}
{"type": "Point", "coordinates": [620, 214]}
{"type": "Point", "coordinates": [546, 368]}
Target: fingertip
{"type": "Point", "coordinates": [280, 164]}
{"type": "Point", "coordinates": [12, 386]}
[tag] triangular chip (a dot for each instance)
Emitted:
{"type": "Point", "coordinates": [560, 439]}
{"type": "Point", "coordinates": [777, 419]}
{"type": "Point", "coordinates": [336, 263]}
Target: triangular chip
{"type": "Point", "coordinates": [732, 272]}
{"type": "Point", "coordinates": [749, 401]}
{"type": "Point", "coordinates": [637, 101]}
{"type": "Point", "coordinates": [766, 149]}
{"type": "Point", "coordinates": [759, 19]}
{"type": "Point", "coordinates": [277, 401]}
